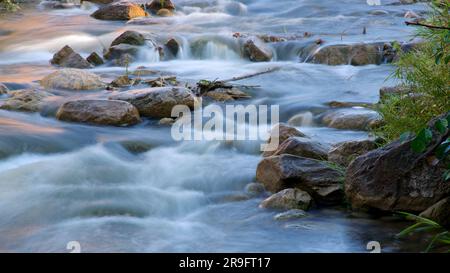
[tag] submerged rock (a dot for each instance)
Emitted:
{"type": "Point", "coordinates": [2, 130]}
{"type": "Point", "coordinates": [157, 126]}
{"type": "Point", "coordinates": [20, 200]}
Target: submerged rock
{"type": "Point", "coordinates": [352, 118]}
{"type": "Point", "coordinates": [157, 5]}
{"type": "Point", "coordinates": [157, 102]}
{"type": "Point", "coordinates": [173, 47]}
{"type": "Point", "coordinates": [164, 13]}
{"type": "Point", "coordinates": [67, 57]}
{"type": "Point", "coordinates": [255, 189]}
{"type": "Point", "coordinates": [345, 152]}
{"type": "Point", "coordinates": [101, 112]}
{"type": "Point", "coordinates": [3, 89]}
{"type": "Point", "coordinates": [28, 100]}
{"type": "Point", "coordinates": [288, 199]}
{"type": "Point", "coordinates": [356, 54]}
{"type": "Point", "coordinates": [439, 212]}
{"type": "Point", "coordinates": [313, 176]}
{"type": "Point", "coordinates": [72, 79]}
{"type": "Point", "coordinates": [166, 121]}
{"type": "Point", "coordinates": [395, 178]}
{"type": "Point", "coordinates": [119, 11]}
{"type": "Point", "coordinates": [257, 51]}
{"type": "Point", "coordinates": [304, 147]}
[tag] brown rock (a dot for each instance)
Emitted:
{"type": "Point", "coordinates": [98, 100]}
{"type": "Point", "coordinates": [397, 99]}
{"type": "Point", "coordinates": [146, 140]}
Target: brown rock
{"type": "Point", "coordinates": [95, 59]}
{"type": "Point", "coordinates": [164, 13]}
{"type": "Point", "coordinates": [173, 46]}
{"type": "Point", "coordinates": [129, 37]}
{"type": "Point", "coordinates": [72, 79]}
{"type": "Point", "coordinates": [257, 51]}
{"type": "Point", "coordinates": [102, 112]}
{"type": "Point", "coordinates": [345, 152]}
{"type": "Point", "coordinates": [28, 100]}
{"type": "Point", "coordinates": [3, 89]}
{"type": "Point", "coordinates": [156, 5]}
{"type": "Point", "coordinates": [357, 54]}
{"type": "Point", "coordinates": [119, 11]}
{"type": "Point", "coordinates": [66, 57]}
{"type": "Point", "coordinates": [439, 212]}
{"type": "Point", "coordinates": [288, 199]}
{"type": "Point", "coordinates": [304, 147]}
{"type": "Point", "coordinates": [282, 132]}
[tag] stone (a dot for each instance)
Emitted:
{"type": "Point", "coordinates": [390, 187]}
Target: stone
{"type": "Point", "coordinates": [3, 89]}
{"type": "Point", "coordinates": [395, 178]}
{"type": "Point", "coordinates": [27, 100]}
{"type": "Point", "coordinates": [164, 13]}
{"type": "Point", "coordinates": [290, 214]}
{"type": "Point", "coordinates": [73, 79]}
{"type": "Point", "coordinates": [282, 132]}
{"type": "Point", "coordinates": [352, 119]}
{"type": "Point", "coordinates": [316, 177]}
{"type": "Point", "coordinates": [121, 81]}
{"type": "Point", "coordinates": [399, 90]}
{"type": "Point", "coordinates": [255, 189]}
{"type": "Point", "coordinates": [288, 199]}
{"type": "Point", "coordinates": [157, 102]}
{"type": "Point", "coordinates": [303, 147]}
{"type": "Point", "coordinates": [156, 5]}
{"type": "Point", "coordinates": [257, 51]}
{"type": "Point", "coordinates": [166, 121]}
{"type": "Point", "coordinates": [343, 153]}
{"type": "Point", "coordinates": [99, 112]}
{"type": "Point", "coordinates": [227, 94]}
{"type": "Point", "coordinates": [354, 54]}
{"type": "Point", "coordinates": [439, 212]}
{"type": "Point", "coordinates": [66, 57]}
{"type": "Point", "coordinates": [95, 59]}
{"type": "Point", "coordinates": [103, 2]}
{"type": "Point", "coordinates": [119, 11]}
{"type": "Point", "coordinates": [173, 47]}
{"type": "Point", "coordinates": [129, 37]}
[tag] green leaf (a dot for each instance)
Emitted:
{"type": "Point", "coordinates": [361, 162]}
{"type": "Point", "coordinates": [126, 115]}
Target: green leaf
{"type": "Point", "coordinates": [441, 125]}
{"type": "Point", "coordinates": [420, 143]}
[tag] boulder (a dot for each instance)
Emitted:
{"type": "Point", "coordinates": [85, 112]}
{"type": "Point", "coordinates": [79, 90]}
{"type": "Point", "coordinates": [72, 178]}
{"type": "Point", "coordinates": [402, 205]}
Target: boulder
{"type": "Point", "coordinates": [157, 102]}
{"type": "Point", "coordinates": [395, 178]}
{"type": "Point", "coordinates": [173, 47]}
{"type": "Point", "coordinates": [156, 5]}
{"type": "Point", "coordinates": [356, 54]}
{"type": "Point", "coordinates": [255, 189]}
{"type": "Point", "coordinates": [257, 51]}
{"type": "Point", "coordinates": [120, 51]}
{"type": "Point", "coordinates": [72, 79]}
{"type": "Point", "coordinates": [164, 13]}
{"type": "Point", "coordinates": [3, 89]}
{"type": "Point", "coordinates": [282, 132]}
{"type": "Point", "coordinates": [101, 112]}
{"type": "Point", "coordinates": [352, 119]}
{"type": "Point", "coordinates": [288, 199]}
{"type": "Point", "coordinates": [28, 100]}
{"type": "Point", "coordinates": [343, 153]}
{"type": "Point", "coordinates": [439, 212]}
{"type": "Point", "coordinates": [304, 147]}
{"type": "Point", "coordinates": [95, 59]}
{"type": "Point", "coordinates": [129, 37]}
{"type": "Point", "coordinates": [316, 177]}
{"type": "Point", "coordinates": [121, 81]}
{"type": "Point", "coordinates": [119, 11]}
{"type": "Point", "coordinates": [290, 214]}
{"type": "Point", "coordinates": [66, 57]}
{"type": "Point", "coordinates": [399, 90]}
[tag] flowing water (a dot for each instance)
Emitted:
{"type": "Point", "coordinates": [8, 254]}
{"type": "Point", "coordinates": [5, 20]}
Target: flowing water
{"type": "Point", "coordinates": [62, 182]}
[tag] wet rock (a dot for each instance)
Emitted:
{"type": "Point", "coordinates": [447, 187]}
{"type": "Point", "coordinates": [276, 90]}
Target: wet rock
{"type": "Point", "coordinates": [304, 147]}
{"type": "Point", "coordinates": [255, 189]}
{"type": "Point", "coordinates": [352, 119]}
{"type": "Point", "coordinates": [439, 212]}
{"type": "Point", "coordinates": [345, 152]}
{"type": "Point", "coordinates": [288, 199]}
{"type": "Point", "coordinates": [395, 178]}
{"type": "Point", "coordinates": [313, 176]}
{"type": "Point", "coordinates": [164, 13]}
{"type": "Point", "coordinates": [357, 54]}
{"type": "Point", "coordinates": [173, 47]}
{"type": "Point", "coordinates": [157, 5]}
{"type": "Point", "coordinates": [227, 94]}
{"type": "Point", "coordinates": [101, 112]}
{"type": "Point", "coordinates": [119, 11]}
{"type": "Point", "coordinates": [343, 104]}
{"type": "Point", "coordinates": [412, 14]}
{"type": "Point", "coordinates": [28, 100]}
{"type": "Point", "coordinates": [166, 121]}
{"type": "Point", "coordinates": [129, 37]}
{"type": "Point", "coordinates": [103, 2]}
{"type": "Point", "coordinates": [257, 51]}
{"type": "Point", "coordinates": [66, 57]}
{"type": "Point", "coordinates": [136, 146]}
{"type": "Point", "coordinates": [398, 90]}
{"type": "Point", "coordinates": [290, 214]}
{"type": "Point", "coordinates": [95, 59]}
{"type": "Point", "coordinates": [72, 79]}
{"type": "Point", "coordinates": [282, 132]}
{"type": "Point", "coordinates": [3, 89]}
{"type": "Point", "coordinates": [122, 54]}
{"type": "Point", "coordinates": [122, 81]}
{"type": "Point", "coordinates": [157, 102]}
{"type": "Point", "coordinates": [301, 119]}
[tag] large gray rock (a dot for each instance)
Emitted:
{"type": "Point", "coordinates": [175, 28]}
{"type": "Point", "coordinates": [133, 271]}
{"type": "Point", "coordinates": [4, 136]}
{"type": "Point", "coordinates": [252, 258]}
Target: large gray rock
{"type": "Point", "coordinates": [67, 57]}
{"type": "Point", "coordinates": [304, 147]}
{"type": "Point", "coordinates": [73, 79]}
{"type": "Point", "coordinates": [101, 112]}
{"type": "Point", "coordinates": [28, 100]}
{"type": "Point", "coordinates": [352, 119]}
{"type": "Point", "coordinates": [129, 37]}
{"type": "Point", "coordinates": [119, 11]}
{"type": "Point", "coordinates": [343, 153]}
{"type": "Point", "coordinates": [313, 176]}
{"type": "Point", "coordinates": [157, 102]}
{"type": "Point", "coordinates": [439, 212]}
{"type": "Point", "coordinates": [395, 178]}
{"type": "Point", "coordinates": [288, 199]}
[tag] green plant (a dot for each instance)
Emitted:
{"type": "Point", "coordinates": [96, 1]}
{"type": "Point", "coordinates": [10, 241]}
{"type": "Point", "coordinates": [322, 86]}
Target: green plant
{"type": "Point", "coordinates": [441, 236]}
{"type": "Point", "coordinates": [9, 5]}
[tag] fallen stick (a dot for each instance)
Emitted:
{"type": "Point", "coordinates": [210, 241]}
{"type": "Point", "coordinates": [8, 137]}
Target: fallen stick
{"type": "Point", "coordinates": [426, 25]}
{"type": "Point", "coordinates": [270, 70]}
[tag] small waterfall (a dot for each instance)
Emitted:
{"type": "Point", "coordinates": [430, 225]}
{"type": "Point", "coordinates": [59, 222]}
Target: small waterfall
{"type": "Point", "coordinates": [217, 51]}
{"type": "Point", "coordinates": [215, 48]}
{"type": "Point", "coordinates": [302, 119]}
{"type": "Point", "coordinates": [185, 49]}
